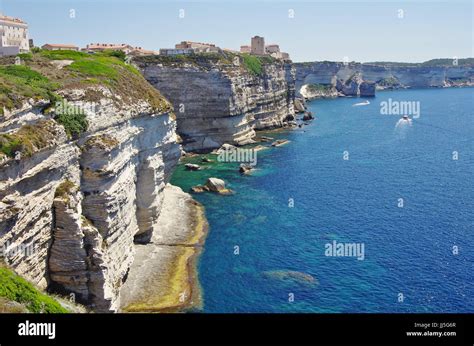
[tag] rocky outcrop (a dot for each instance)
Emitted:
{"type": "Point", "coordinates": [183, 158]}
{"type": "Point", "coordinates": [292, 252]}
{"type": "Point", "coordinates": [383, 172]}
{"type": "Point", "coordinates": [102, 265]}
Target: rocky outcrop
{"type": "Point", "coordinates": [220, 101]}
{"type": "Point", "coordinates": [356, 79]}
{"type": "Point", "coordinates": [350, 86]}
{"type": "Point", "coordinates": [163, 278]}
{"type": "Point", "coordinates": [367, 89]}
{"type": "Point", "coordinates": [70, 210]}
{"type": "Point", "coordinates": [300, 106]}
{"type": "Point", "coordinates": [216, 185]}
{"type": "Point", "coordinates": [317, 91]}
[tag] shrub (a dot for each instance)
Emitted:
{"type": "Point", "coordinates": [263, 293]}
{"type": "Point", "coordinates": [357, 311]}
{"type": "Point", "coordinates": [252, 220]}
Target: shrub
{"type": "Point", "coordinates": [72, 119]}
{"type": "Point", "coordinates": [115, 53]}
{"type": "Point", "coordinates": [25, 56]}
{"type": "Point", "coordinates": [22, 72]}
{"type": "Point", "coordinates": [65, 189]}
{"type": "Point", "coordinates": [9, 145]}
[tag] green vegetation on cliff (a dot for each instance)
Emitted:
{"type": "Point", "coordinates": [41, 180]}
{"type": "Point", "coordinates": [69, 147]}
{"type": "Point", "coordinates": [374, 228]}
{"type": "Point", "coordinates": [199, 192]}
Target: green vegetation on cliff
{"type": "Point", "coordinates": [254, 63]}
{"type": "Point", "coordinates": [319, 87]}
{"type": "Point", "coordinates": [19, 82]}
{"type": "Point", "coordinates": [250, 63]}
{"type": "Point", "coordinates": [44, 75]}
{"type": "Point", "coordinates": [15, 288]}
{"type": "Point", "coordinates": [45, 72]}
{"type": "Point", "coordinates": [72, 118]}
{"type": "Point", "coordinates": [28, 139]}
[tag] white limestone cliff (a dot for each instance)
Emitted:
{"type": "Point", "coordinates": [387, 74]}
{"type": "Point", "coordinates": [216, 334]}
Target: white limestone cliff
{"type": "Point", "coordinates": [217, 103]}
{"type": "Point", "coordinates": [81, 204]}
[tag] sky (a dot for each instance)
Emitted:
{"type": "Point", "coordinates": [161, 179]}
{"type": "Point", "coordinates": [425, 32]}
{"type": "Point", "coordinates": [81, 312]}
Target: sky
{"type": "Point", "coordinates": [405, 31]}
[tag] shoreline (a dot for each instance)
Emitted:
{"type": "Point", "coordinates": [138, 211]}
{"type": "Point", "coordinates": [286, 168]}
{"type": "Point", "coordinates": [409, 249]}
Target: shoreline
{"type": "Point", "coordinates": [163, 277]}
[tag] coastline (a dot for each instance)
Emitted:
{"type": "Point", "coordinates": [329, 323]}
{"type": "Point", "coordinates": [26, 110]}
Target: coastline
{"type": "Point", "coordinates": [167, 267]}
{"type": "Point", "coordinates": [252, 210]}
{"type": "Point", "coordinates": [163, 277]}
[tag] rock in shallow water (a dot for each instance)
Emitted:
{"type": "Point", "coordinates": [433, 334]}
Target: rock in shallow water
{"type": "Point", "coordinates": [308, 116]}
{"type": "Point", "coordinates": [280, 142]}
{"type": "Point", "coordinates": [216, 185]}
{"type": "Point", "coordinates": [291, 275]}
{"type": "Point", "coordinates": [192, 167]}
{"type": "Point", "coordinates": [245, 169]}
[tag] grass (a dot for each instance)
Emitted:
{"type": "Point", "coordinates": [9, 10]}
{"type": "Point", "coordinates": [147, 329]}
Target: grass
{"type": "Point", "coordinates": [28, 139]}
{"type": "Point", "coordinates": [199, 59]}
{"type": "Point", "coordinates": [251, 63]}
{"type": "Point", "coordinates": [64, 189]}
{"type": "Point", "coordinates": [38, 78]}
{"type": "Point", "coordinates": [15, 288]}
{"type": "Point", "coordinates": [103, 142]}
{"type": "Point", "coordinates": [62, 54]}
{"type": "Point", "coordinates": [95, 67]}
{"type": "Point", "coordinates": [18, 82]}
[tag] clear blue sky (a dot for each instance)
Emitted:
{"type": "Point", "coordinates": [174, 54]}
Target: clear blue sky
{"type": "Point", "coordinates": [320, 30]}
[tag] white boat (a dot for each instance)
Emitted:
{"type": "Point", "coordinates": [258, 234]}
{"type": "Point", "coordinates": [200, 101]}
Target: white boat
{"type": "Point", "coordinates": [365, 103]}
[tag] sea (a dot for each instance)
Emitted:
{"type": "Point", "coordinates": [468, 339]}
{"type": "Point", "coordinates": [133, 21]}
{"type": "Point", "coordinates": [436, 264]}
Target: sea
{"type": "Point", "coordinates": [362, 211]}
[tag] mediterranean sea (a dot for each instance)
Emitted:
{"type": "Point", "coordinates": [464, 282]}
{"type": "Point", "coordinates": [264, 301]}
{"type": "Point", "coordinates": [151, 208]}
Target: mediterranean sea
{"type": "Point", "coordinates": [352, 176]}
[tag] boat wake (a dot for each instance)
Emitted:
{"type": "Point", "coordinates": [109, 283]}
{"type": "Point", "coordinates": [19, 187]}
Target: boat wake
{"type": "Point", "coordinates": [404, 122]}
{"type": "Point", "coordinates": [403, 126]}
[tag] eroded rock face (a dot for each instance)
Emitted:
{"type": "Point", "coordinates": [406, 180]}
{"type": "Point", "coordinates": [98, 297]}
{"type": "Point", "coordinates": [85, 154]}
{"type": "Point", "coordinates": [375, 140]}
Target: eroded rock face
{"type": "Point", "coordinates": [367, 89]}
{"type": "Point", "coordinates": [80, 204]}
{"type": "Point", "coordinates": [336, 74]}
{"type": "Point", "coordinates": [217, 104]}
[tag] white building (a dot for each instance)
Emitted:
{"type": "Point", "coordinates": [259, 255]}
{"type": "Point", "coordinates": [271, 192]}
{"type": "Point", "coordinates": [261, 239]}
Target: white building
{"type": "Point", "coordinates": [13, 36]}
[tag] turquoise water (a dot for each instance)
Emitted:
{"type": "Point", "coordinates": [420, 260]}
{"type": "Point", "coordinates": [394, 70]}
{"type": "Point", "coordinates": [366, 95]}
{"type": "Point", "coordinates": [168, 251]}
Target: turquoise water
{"type": "Point", "coordinates": [408, 250]}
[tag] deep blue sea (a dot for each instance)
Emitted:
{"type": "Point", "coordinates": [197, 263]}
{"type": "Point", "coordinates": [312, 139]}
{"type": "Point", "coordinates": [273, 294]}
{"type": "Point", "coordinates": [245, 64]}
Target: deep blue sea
{"type": "Point", "coordinates": [410, 260]}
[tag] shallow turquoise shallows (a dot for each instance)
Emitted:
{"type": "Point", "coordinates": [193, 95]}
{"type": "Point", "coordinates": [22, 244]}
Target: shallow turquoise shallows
{"type": "Point", "coordinates": [400, 194]}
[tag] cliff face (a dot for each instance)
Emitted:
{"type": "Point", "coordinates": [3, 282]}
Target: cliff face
{"type": "Point", "coordinates": [343, 78]}
{"type": "Point", "coordinates": [71, 208]}
{"type": "Point", "coordinates": [218, 101]}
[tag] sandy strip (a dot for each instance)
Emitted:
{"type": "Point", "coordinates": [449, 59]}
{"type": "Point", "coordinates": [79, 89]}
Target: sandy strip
{"type": "Point", "coordinates": [163, 277]}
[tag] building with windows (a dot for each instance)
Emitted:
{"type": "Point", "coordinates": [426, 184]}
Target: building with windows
{"type": "Point", "coordinates": [13, 36]}
{"type": "Point", "coordinates": [258, 47]}
{"type": "Point", "coordinates": [190, 47]}
{"type": "Point", "coordinates": [176, 51]}
{"type": "Point", "coordinates": [272, 49]}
